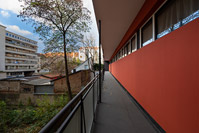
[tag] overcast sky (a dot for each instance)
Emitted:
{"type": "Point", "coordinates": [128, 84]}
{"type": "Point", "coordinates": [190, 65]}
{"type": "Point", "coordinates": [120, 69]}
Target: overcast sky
{"type": "Point", "coordinates": [9, 9]}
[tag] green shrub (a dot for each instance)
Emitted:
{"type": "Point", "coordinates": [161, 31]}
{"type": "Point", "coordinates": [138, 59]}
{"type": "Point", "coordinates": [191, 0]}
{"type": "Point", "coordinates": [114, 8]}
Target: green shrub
{"type": "Point", "coordinates": [30, 118]}
{"type": "Point", "coordinates": [3, 117]}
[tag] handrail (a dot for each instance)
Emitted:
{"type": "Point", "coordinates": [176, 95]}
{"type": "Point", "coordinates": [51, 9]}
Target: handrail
{"type": "Point", "coordinates": [57, 121]}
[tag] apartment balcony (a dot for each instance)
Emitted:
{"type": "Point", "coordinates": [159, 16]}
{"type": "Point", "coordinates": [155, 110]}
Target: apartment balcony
{"type": "Point", "coordinates": [21, 58]}
{"type": "Point", "coordinates": [20, 43]}
{"type": "Point", "coordinates": [19, 52]}
{"type": "Point", "coordinates": [20, 46]}
{"type": "Point", "coordinates": [20, 69]}
{"type": "Point", "coordinates": [116, 113]}
{"type": "Point", "coordinates": [20, 64]}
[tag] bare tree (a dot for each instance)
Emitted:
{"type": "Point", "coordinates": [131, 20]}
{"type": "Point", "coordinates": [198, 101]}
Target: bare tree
{"type": "Point", "coordinates": [57, 21]}
{"type": "Point", "coordinates": [90, 51]}
{"type": "Point", "coordinates": [55, 62]}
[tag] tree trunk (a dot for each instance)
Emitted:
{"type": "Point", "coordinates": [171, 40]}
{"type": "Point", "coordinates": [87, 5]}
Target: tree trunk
{"type": "Point", "coordinates": [66, 70]}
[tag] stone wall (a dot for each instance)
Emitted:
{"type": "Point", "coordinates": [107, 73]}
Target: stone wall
{"type": "Point", "coordinates": [77, 81]}
{"type": "Point", "coordinates": [85, 77]}
{"type": "Point", "coordinates": [15, 92]}
{"type": "Point", "coordinates": [10, 86]}
{"type": "Point", "coordinates": [25, 88]}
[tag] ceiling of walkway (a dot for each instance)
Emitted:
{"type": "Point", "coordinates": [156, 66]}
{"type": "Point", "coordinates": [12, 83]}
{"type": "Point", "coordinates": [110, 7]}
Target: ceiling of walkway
{"type": "Point", "coordinates": [116, 17]}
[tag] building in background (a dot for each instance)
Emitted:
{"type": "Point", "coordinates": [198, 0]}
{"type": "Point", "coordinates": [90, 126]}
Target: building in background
{"type": "Point", "coordinates": [53, 62]}
{"type": "Point", "coordinates": [17, 54]}
{"type": "Point", "coordinates": [88, 52]}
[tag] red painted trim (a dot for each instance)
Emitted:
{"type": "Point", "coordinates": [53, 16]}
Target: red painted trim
{"type": "Point", "coordinates": [147, 10]}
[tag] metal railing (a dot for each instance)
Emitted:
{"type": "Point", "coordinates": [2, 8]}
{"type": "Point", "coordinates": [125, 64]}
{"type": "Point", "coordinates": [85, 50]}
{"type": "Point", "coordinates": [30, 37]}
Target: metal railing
{"type": "Point", "coordinates": [78, 115]}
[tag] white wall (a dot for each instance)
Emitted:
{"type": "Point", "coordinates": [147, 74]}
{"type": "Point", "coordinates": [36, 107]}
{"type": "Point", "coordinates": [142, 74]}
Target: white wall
{"type": "Point", "coordinates": [83, 66]}
{"type": "Point", "coordinates": [82, 56]}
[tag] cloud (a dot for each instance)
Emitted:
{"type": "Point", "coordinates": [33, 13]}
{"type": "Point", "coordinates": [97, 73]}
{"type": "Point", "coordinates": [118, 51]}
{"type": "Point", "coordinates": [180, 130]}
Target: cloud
{"type": "Point", "coordinates": [11, 5]}
{"type": "Point", "coordinates": [5, 14]}
{"type": "Point", "coordinates": [17, 30]}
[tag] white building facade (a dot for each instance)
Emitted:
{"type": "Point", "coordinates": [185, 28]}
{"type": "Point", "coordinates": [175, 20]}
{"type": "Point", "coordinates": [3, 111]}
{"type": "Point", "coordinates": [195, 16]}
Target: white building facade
{"type": "Point", "coordinates": [17, 54]}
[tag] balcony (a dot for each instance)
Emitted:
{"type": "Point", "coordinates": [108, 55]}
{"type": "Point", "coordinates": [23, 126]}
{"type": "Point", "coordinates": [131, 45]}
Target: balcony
{"type": "Point", "coordinates": [18, 63]}
{"type": "Point", "coordinates": [19, 69]}
{"type": "Point", "coordinates": [18, 57]}
{"type": "Point", "coordinates": [21, 45]}
{"type": "Point", "coordinates": [117, 112]}
{"type": "Point", "coordinates": [20, 52]}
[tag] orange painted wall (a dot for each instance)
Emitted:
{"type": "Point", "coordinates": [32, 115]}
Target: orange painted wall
{"type": "Point", "coordinates": [164, 78]}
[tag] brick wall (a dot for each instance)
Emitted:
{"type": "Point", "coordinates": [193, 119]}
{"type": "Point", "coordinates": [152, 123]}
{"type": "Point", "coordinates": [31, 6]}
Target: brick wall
{"type": "Point", "coordinates": [77, 81]}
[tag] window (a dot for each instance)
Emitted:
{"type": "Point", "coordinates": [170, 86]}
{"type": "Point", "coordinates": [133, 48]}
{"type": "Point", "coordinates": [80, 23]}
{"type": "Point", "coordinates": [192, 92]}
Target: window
{"type": "Point", "coordinates": [174, 14]}
{"type": "Point", "coordinates": [147, 33]}
{"type": "Point", "coordinates": [133, 44]}
{"type": "Point", "coordinates": [129, 48]}
{"type": "Point", "coordinates": [126, 49]}
{"type": "Point", "coordinates": [120, 53]}
{"type": "Point", "coordinates": [123, 52]}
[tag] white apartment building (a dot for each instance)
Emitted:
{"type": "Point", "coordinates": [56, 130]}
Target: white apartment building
{"type": "Point", "coordinates": [17, 54]}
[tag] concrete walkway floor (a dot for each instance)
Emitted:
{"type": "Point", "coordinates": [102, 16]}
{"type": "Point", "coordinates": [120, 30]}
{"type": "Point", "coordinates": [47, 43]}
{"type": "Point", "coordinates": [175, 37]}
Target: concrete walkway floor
{"type": "Point", "coordinates": [118, 113]}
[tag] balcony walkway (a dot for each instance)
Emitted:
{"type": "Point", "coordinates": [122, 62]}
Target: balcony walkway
{"type": "Point", "coordinates": [118, 113]}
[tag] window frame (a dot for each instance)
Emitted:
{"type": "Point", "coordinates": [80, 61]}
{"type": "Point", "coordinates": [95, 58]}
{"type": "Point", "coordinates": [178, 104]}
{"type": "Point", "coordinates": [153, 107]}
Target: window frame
{"type": "Point", "coordinates": [134, 36]}
{"type": "Point", "coordinates": [153, 30]}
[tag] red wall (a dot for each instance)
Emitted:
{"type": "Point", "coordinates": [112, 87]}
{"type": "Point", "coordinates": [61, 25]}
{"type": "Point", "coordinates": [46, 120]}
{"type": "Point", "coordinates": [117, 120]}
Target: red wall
{"type": "Point", "coordinates": [164, 78]}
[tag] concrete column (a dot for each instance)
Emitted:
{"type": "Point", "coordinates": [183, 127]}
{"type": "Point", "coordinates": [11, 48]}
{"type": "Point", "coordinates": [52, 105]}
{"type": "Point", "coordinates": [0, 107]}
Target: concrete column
{"type": "Point", "coordinates": [2, 48]}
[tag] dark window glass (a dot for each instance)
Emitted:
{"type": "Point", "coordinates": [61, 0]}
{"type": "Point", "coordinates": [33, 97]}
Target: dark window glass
{"type": "Point", "coordinates": [133, 44]}
{"type": "Point", "coordinates": [174, 14]}
{"type": "Point", "coordinates": [129, 48]}
{"type": "Point", "coordinates": [126, 50]}
{"type": "Point", "coordinates": [147, 36]}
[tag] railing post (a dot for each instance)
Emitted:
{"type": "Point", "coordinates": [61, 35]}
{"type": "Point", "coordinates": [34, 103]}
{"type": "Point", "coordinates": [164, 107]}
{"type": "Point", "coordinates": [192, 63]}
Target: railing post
{"type": "Point", "coordinates": [81, 116]}
{"type": "Point", "coordinates": [100, 87]}
{"type": "Point", "coordinates": [83, 121]}
{"type": "Point", "coordinates": [97, 89]}
{"type": "Point", "coordinates": [93, 100]}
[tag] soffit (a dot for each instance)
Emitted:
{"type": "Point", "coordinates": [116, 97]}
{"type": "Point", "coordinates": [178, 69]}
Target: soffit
{"type": "Point", "coordinates": [116, 17]}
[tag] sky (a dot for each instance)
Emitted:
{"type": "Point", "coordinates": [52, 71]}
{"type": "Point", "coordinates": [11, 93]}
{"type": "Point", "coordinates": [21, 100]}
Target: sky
{"type": "Point", "coordinates": [9, 9]}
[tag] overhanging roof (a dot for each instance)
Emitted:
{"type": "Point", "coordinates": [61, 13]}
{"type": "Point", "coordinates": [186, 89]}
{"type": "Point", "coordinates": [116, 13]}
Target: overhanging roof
{"type": "Point", "coordinates": [116, 17]}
